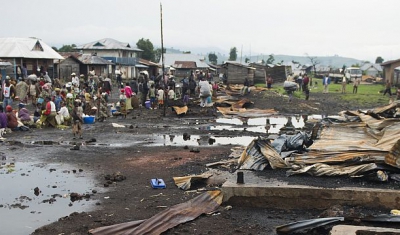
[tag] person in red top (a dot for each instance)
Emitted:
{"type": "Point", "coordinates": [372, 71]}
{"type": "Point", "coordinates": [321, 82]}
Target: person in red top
{"type": "Point", "coordinates": [12, 121]}
{"type": "Point", "coordinates": [48, 116]}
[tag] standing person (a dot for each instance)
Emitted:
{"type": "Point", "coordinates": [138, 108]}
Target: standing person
{"type": "Point", "coordinates": [388, 87]}
{"type": "Point", "coordinates": [205, 91]}
{"type": "Point", "coordinates": [344, 84]}
{"type": "Point", "coordinates": [77, 119]}
{"type": "Point", "coordinates": [326, 81]}
{"type": "Point", "coordinates": [152, 96]}
{"type": "Point", "coordinates": [356, 84]}
{"type": "Point", "coordinates": [118, 74]}
{"type": "Point", "coordinates": [74, 80]}
{"type": "Point", "coordinates": [305, 83]}
{"type": "Point", "coordinates": [21, 90]}
{"type": "Point", "coordinates": [8, 93]}
{"type": "Point", "coordinates": [185, 84]}
{"type": "Point", "coordinates": [145, 91]}
{"type": "Point", "coordinates": [128, 95]}
{"type": "Point", "coordinates": [215, 89]}
{"type": "Point", "coordinates": [160, 97]}
{"type": "Point", "coordinates": [300, 81]}
{"type": "Point", "coordinates": [192, 86]}
{"type": "Point", "coordinates": [269, 81]}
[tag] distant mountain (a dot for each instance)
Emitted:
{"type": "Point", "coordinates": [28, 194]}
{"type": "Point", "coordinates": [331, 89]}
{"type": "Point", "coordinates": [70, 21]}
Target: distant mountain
{"type": "Point", "coordinates": [331, 61]}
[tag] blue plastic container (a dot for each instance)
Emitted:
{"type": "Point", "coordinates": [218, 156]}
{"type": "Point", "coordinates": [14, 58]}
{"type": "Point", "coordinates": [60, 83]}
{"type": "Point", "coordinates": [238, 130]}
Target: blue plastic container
{"type": "Point", "coordinates": [147, 104]}
{"type": "Point", "coordinates": [88, 119]}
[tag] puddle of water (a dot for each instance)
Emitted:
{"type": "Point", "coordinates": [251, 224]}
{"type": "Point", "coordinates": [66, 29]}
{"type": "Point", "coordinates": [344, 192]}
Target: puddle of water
{"type": "Point", "coordinates": [197, 140]}
{"type": "Point", "coordinates": [259, 125]}
{"type": "Point", "coordinates": [20, 203]}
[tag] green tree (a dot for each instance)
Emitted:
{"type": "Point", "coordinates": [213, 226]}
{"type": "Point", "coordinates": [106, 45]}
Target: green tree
{"type": "Point", "coordinates": [67, 48]}
{"type": "Point", "coordinates": [262, 61]}
{"type": "Point", "coordinates": [379, 60]}
{"type": "Point", "coordinates": [54, 48]}
{"type": "Point", "coordinates": [148, 49]}
{"type": "Point", "coordinates": [213, 58]}
{"type": "Point", "coordinates": [233, 54]}
{"type": "Point", "coordinates": [270, 59]}
{"type": "Point", "coordinates": [247, 60]}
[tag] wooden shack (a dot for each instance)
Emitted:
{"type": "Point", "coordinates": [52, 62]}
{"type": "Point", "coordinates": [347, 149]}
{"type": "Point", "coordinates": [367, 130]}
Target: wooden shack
{"type": "Point", "coordinates": [279, 73]}
{"type": "Point", "coordinates": [259, 73]}
{"type": "Point", "coordinates": [237, 72]}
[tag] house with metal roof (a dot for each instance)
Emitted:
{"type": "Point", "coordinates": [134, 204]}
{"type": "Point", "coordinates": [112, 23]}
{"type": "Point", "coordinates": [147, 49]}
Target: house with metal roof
{"type": "Point", "coordinates": [27, 54]}
{"type": "Point", "coordinates": [390, 67]}
{"type": "Point", "coordinates": [183, 64]}
{"type": "Point", "coordinates": [121, 54]}
{"type": "Point", "coordinates": [75, 62]}
{"type": "Point", "coordinates": [370, 69]}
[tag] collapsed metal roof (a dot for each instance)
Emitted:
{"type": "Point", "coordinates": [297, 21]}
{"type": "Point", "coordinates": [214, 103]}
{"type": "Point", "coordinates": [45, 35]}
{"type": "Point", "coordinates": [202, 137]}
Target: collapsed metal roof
{"type": "Point", "coordinates": [367, 141]}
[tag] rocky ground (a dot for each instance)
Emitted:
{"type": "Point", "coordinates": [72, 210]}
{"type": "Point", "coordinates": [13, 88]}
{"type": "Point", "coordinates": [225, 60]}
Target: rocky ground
{"type": "Point", "coordinates": [128, 152]}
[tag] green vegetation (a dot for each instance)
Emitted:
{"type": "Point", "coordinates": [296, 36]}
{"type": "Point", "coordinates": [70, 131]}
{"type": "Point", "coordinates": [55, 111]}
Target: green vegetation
{"type": "Point", "coordinates": [367, 93]}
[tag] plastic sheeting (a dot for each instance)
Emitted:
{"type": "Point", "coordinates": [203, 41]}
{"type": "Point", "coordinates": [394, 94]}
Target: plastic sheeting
{"type": "Point", "coordinates": [169, 218]}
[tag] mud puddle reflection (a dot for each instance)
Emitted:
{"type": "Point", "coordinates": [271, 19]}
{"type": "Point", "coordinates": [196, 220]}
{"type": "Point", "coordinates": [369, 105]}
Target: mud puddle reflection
{"type": "Point", "coordinates": [267, 125]}
{"type": "Point", "coordinates": [33, 195]}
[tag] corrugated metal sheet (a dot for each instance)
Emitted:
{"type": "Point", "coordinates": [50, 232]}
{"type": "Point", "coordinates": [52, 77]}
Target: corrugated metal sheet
{"type": "Point", "coordinates": [23, 48]}
{"type": "Point", "coordinates": [185, 65]}
{"type": "Point", "coordinates": [169, 218]}
{"type": "Point", "coordinates": [93, 60]}
{"type": "Point", "coordinates": [169, 59]}
{"type": "Point", "coordinates": [107, 44]}
{"type": "Point", "coordinates": [185, 182]}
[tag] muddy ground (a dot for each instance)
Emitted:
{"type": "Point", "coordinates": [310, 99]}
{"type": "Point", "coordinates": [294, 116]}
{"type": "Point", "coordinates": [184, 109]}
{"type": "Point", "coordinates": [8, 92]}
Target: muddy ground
{"type": "Point", "coordinates": [129, 151]}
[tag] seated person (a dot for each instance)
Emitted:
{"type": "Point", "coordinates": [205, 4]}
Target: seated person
{"type": "Point", "coordinates": [3, 121]}
{"type": "Point", "coordinates": [23, 115]}
{"type": "Point", "coordinates": [12, 121]}
{"type": "Point", "coordinates": [64, 114]}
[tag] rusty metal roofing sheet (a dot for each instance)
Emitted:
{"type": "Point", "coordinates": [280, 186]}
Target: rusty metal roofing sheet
{"type": "Point", "coordinates": [341, 138]}
{"type": "Point", "coordinates": [320, 169]}
{"type": "Point", "coordinates": [169, 218]}
{"type": "Point", "coordinates": [313, 156]}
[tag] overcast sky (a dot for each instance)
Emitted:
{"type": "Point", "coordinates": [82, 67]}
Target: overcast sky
{"type": "Point", "coordinates": [360, 29]}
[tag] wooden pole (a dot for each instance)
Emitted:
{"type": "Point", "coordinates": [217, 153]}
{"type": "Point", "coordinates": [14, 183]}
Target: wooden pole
{"type": "Point", "coordinates": [162, 59]}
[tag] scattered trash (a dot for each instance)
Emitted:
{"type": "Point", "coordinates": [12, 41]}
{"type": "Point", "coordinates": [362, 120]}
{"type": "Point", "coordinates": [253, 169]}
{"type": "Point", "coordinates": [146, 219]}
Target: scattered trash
{"type": "Point", "coordinates": [117, 125]}
{"type": "Point", "coordinates": [157, 183]}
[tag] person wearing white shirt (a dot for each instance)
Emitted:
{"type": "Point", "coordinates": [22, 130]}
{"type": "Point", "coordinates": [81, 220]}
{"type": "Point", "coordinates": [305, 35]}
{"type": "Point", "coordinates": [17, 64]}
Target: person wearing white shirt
{"type": "Point", "coordinates": [160, 97]}
{"type": "Point", "coordinates": [171, 94]}
{"type": "Point", "coordinates": [74, 80]}
{"type": "Point", "coordinates": [63, 114]}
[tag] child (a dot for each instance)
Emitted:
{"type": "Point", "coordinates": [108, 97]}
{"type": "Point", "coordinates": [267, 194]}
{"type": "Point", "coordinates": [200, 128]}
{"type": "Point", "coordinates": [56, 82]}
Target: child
{"type": "Point", "coordinates": [77, 119]}
{"type": "Point", "coordinates": [160, 97]}
{"type": "Point", "coordinates": [186, 98]}
{"type": "Point", "coordinates": [122, 109]}
{"type": "Point", "coordinates": [152, 95]}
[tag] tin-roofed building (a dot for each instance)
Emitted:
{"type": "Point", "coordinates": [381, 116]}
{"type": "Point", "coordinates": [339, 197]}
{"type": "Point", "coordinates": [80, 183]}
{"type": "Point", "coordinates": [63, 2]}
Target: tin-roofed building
{"type": "Point", "coordinates": [27, 56]}
{"type": "Point", "coordinates": [183, 64]}
{"type": "Point", "coordinates": [119, 53]}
